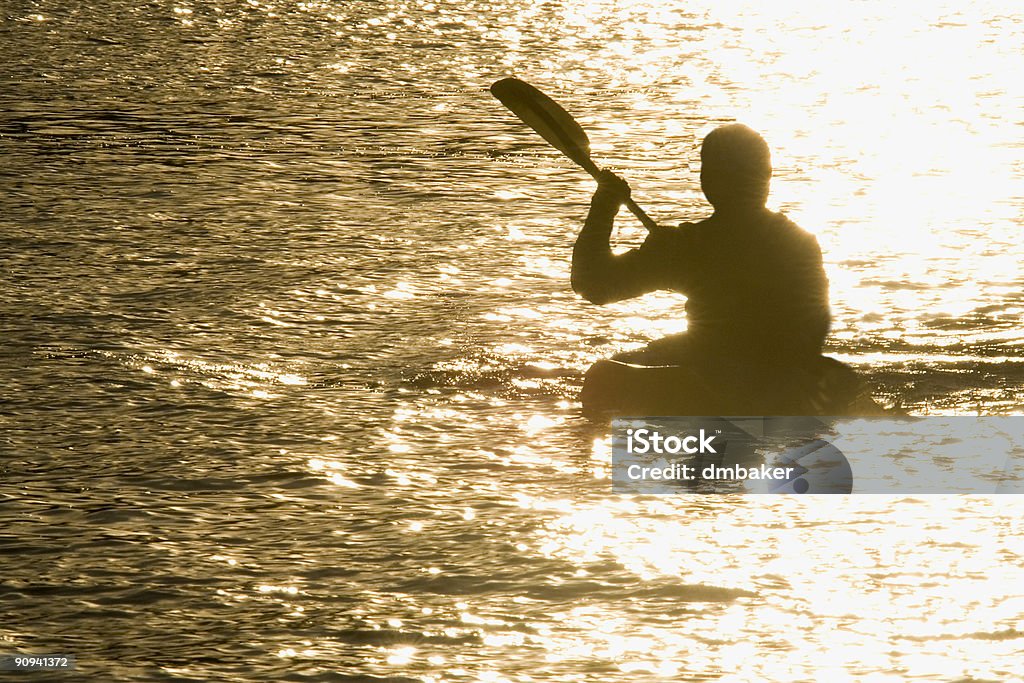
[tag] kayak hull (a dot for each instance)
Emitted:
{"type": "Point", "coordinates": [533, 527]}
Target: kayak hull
{"type": "Point", "coordinates": [826, 387]}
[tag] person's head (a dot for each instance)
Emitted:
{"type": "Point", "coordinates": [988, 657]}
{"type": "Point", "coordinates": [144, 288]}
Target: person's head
{"type": "Point", "coordinates": [735, 168]}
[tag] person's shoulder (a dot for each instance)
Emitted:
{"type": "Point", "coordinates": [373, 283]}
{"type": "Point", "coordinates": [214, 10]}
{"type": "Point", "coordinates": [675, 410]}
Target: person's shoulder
{"type": "Point", "coordinates": [783, 223]}
{"type": "Point", "coordinates": [671, 242]}
{"type": "Point", "coordinates": [781, 220]}
{"type": "Point", "coordinates": [672, 234]}
{"type": "Point", "coordinates": [685, 228]}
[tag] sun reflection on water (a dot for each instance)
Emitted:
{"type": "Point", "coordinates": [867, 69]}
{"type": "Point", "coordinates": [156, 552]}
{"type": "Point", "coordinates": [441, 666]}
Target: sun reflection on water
{"type": "Point", "coordinates": [379, 465]}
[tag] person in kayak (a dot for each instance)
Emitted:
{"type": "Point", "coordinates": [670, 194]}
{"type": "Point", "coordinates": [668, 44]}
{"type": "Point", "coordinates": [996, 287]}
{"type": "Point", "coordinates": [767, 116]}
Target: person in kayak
{"type": "Point", "coordinates": [757, 294]}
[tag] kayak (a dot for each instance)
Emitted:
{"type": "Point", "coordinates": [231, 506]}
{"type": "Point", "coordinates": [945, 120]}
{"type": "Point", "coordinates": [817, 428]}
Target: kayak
{"type": "Point", "coordinates": [825, 387]}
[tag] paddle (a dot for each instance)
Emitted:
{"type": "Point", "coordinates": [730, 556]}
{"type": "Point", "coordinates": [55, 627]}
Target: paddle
{"type": "Point", "coordinates": [557, 126]}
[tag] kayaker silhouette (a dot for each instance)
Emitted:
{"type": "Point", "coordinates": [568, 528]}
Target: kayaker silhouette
{"type": "Point", "coordinates": [757, 298]}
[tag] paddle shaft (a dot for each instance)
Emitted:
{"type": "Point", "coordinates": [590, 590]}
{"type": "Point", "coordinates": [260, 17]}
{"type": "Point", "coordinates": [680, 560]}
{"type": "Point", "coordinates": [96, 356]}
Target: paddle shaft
{"type": "Point", "coordinates": [557, 126]}
{"type": "Point", "coordinates": [588, 165]}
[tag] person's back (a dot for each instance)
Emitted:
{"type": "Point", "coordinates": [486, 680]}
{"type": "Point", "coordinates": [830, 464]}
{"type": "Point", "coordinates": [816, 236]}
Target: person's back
{"type": "Point", "coordinates": [753, 288]}
{"type": "Point", "coordinates": [754, 281]}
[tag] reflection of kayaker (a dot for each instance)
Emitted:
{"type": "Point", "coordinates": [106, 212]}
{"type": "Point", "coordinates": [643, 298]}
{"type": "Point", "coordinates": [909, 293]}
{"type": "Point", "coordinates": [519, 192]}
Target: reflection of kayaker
{"type": "Point", "coordinates": [757, 295]}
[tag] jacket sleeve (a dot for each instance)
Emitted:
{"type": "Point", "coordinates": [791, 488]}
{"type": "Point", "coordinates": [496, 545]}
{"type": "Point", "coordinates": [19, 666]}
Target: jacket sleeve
{"type": "Point", "coordinates": [602, 277]}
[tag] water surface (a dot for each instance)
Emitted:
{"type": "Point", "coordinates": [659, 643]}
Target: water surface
{"type": "Point", "coordinates": [291, 357]}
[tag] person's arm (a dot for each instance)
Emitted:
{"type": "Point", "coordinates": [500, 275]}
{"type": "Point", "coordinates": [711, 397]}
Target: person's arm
{"type": "Point", "coordinates": [598, 275]}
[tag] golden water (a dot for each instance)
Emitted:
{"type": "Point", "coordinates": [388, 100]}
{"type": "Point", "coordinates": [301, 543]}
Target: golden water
{"type": "Point", "coordinates": [291, 357]}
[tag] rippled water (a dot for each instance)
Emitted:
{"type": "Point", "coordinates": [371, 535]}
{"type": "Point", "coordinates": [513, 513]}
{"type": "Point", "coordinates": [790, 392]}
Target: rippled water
{"type": "Point", "coordinates": [291, 357]}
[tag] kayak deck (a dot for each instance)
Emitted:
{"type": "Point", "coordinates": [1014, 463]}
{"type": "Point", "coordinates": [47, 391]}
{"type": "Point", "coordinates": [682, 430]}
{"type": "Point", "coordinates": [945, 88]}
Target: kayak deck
{"type": "Point", "coordinates": [826, 387]}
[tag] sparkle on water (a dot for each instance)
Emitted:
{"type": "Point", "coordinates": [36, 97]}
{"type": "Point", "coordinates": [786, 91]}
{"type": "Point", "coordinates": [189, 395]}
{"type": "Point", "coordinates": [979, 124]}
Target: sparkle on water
{"type": "Point", "coordinates": [293, 358]}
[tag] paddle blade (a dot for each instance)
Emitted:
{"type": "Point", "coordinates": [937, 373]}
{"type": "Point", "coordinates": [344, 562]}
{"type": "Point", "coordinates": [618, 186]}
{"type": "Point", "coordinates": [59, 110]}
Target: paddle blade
{"type": "Point", "coordinates": [545, 116]}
